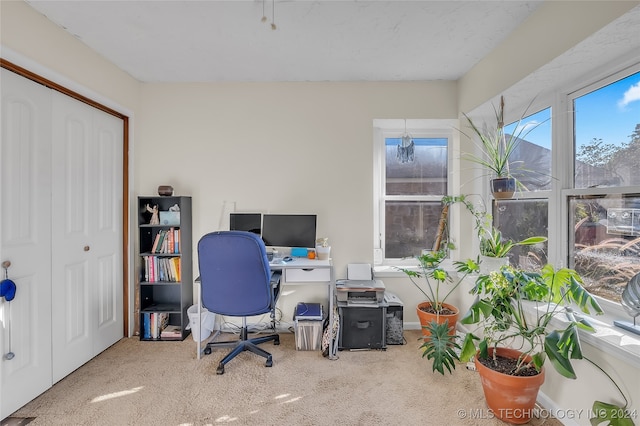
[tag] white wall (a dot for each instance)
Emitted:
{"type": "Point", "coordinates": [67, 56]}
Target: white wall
{"type": "Point", "coordinates": [279, 148]}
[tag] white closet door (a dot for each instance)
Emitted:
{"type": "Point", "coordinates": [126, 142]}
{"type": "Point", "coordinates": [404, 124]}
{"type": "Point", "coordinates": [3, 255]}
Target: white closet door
{"type": "Point", "coordinates": [87, 229]}
{"type": "Point", "coordinates": [25, 240]}
{"type": "Point", "coordinates": [107, 231]}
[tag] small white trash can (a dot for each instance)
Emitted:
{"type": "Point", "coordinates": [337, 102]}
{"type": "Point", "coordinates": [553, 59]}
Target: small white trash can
{"type": "Point", "coordinates": [208, 320]}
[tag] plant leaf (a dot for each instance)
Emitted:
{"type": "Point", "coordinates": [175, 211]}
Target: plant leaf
{"type": "Point", "coordinates": [611, 413]}
{"type": "Point", "coordinates": [468, 347]}
{"type": "Point", "coordinates": [560, 362]}
{"type": "Point", "coordinates": [439, 347]}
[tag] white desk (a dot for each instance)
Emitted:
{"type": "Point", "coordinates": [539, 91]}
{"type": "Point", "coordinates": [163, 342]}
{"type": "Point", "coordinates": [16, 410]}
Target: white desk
{"type": "Point", "coordinates": [300, 271]}
{"type": "Point", "coordinates": [303, 271]}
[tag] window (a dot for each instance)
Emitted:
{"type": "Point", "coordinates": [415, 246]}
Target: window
{"type": "Point", "coordinates": [531, 160]}
{"type": "Point", "coordinates": [518, 219]}
{"type": "Point", "coordinates": [603, 203]}
{"type": "Point", "coordinates": [407, 194]}
{"type": "Point", "coordinates": [607, 134]}
{"type": "Point", "coordinates": [605, 241]}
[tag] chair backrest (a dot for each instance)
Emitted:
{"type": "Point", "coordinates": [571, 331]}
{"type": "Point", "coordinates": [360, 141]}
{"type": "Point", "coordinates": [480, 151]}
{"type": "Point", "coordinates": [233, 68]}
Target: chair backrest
{"type": "Point", "coordinates": [234, 274]}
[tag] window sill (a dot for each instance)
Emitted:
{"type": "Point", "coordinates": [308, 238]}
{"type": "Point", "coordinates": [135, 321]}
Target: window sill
{"type": "Point", "coordinates": [608, 338]}
{"type": "Point", "coordinates": [391, 270]}
{"type": "Point", "coordinates": [615, 341]}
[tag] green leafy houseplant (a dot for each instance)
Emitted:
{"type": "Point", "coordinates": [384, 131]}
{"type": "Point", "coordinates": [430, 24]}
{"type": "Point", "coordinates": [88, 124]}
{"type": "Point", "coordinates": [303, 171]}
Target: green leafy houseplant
{"type": "Point", "coordinates": [521, 308]}
{"type": "Point", "coordinates": [497, 148]}
{"type": "Point", "coordinates": [436, 284]}
{"type": "Point", "coordinates": [492, 243]}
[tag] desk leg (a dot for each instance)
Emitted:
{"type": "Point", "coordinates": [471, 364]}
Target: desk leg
{"type": "Point", "coordinates": [199, 302]}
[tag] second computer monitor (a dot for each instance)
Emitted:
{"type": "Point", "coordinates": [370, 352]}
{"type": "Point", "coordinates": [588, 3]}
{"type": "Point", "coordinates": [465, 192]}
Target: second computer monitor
{"type": "Point", "coordinates": [251, 222]}
{"type": "Point", "coordinates": [289, 230]}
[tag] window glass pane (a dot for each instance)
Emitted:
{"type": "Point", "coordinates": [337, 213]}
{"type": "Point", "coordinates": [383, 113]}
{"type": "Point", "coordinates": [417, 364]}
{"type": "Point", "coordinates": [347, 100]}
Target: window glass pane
{"type": "Point", "coordinates": [605, 241]}
{"type": "Point", "coordinates": [531, 160]}
{"type": "Point", "coordinates": [425, 175]}
{"type": "Point", "coordinates": [607, 135]}
{"type": "Point", "coordinates": [520, 219]}
{"type": "Point", "coordinates": [411, 226]}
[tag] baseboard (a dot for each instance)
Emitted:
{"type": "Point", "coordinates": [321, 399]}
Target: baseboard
{"type": "Point", "coordinates": [551, 408]}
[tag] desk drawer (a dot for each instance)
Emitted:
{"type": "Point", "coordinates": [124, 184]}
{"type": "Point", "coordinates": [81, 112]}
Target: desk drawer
{"type": "Point", "coordinates": [307, 275]}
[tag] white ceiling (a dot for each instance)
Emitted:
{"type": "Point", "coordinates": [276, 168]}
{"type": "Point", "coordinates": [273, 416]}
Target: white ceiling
{"type": "Point", "coordinates": [338, 40]}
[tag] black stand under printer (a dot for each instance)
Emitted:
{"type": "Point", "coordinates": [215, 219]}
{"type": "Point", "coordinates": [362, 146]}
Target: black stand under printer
{"type": "Point", "coordinates": [362, 312]}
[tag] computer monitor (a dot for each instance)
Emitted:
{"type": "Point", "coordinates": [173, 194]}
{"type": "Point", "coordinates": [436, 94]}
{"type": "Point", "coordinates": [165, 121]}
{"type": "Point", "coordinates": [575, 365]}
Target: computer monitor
{"type": "Point", "coordinates": [251, 222]}
{"type": "Point", "coordinates": [289, 230]}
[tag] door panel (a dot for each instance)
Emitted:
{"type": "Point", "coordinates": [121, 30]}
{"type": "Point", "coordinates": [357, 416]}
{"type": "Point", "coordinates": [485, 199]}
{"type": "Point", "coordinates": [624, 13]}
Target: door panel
{"type": "Point", "coordinates": [107, 231]}
{"type": "Point", "coordinates": [25, 240]}
{"type": "Point", "coordinates": [87, 223]}
{"type": "Point", "coordinates": [71, 211]}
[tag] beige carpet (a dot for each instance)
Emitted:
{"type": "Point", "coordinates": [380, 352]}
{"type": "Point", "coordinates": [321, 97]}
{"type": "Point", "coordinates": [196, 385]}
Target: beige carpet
{"type": "Point", "coordinates": [163, 383]}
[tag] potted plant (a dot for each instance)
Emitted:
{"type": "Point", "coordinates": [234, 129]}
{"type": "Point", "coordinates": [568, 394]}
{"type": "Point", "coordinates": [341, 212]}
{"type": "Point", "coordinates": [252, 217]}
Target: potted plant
{"type": "Point", "coordinates": [437, 318]}
{"type": "Point", "coordinates": [496, 149]}
{"type": "Point", "coordinates": [494, 248]}
{"type": "Point", "coordinates": [519, 313]}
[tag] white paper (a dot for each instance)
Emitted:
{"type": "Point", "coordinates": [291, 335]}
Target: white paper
{"type": "Point", "coordinates": [359, 271]}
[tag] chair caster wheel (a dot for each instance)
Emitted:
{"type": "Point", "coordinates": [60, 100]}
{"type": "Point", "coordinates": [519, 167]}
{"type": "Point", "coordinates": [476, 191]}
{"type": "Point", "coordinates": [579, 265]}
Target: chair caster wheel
{"type": "Point", "coordinates": [220, 369]}
{"type": "Point", "coordinates": [269, 362]}
{"type": "Point", "coordinates": [276, 342]}
{"type": "Point", "coordinates": [207, 351]}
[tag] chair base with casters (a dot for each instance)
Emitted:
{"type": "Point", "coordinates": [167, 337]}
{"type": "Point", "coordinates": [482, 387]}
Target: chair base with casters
{"type": "Point", "coordinates": [243, 344]}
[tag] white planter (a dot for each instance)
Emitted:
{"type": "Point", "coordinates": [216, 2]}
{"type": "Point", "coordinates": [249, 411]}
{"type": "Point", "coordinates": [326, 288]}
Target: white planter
{"type": "Point", "coordinates": [323, 253]}
{"type": "Point", "coordinates": [489, 264]}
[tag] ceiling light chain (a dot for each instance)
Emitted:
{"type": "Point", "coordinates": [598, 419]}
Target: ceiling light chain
{"type": "Point", "coordinates": [273, 14]}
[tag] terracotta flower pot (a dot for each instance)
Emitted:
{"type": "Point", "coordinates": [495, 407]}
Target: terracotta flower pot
{"type": "Point", "coordinates": [426, 318]}
{"type": "Point", "coordinates": [510, 398]}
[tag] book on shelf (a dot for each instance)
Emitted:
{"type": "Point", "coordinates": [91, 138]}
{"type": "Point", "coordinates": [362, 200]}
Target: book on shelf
{"type": "Point", "coordinates": [171, 332]}
{"type": "Point", "coordinates": [156, 240]}
{"type": "Point", "coordinates": [156, 323]}
{"type": "Point", "coordinates": [146, 325]}
{"type": "Point", "coordinates": [176, 242]}
{"type": "Point", "coordinates": [161, 238]}
{"type": "Point", "coordinates": [170, 237]}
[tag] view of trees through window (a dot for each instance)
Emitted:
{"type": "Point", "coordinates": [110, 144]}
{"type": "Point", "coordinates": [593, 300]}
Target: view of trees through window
{"type": "Point", "coordinates": [607, 135]}
{"type": "Point", "coordinates": [604, 227]}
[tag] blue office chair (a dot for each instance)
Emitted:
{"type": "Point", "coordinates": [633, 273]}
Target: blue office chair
{"type": "Point", "coordinates": [236, 280]}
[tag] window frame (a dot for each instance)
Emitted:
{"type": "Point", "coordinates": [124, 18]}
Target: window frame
{"type": "Point", "coordinates": [613, 310]}
{"type": "Point", "coordinates": [417, 128]}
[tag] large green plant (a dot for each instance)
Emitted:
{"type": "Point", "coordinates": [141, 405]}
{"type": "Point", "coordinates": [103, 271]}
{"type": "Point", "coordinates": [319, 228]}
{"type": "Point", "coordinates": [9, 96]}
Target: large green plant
{"type": "Point", "coordinates": [526, 308]}
{"type": "Point", "coordinates": [436, 284]}
{"type": "Point", "coordinates": [433, 281]}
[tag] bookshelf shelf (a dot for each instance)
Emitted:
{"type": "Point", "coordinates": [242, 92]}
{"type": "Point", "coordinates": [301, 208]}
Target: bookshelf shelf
{"type": "Point", "coordinates": [165, 273]}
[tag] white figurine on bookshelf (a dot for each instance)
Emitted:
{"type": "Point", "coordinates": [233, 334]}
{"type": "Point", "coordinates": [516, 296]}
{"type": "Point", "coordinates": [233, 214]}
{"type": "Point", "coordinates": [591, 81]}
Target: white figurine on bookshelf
{"type": "Point", "coordinates": [155, 219]}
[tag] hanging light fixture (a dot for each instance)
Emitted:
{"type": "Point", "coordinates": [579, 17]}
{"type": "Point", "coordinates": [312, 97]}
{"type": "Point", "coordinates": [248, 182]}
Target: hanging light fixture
{"type": "Point", "coordinates": [406, 147]}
